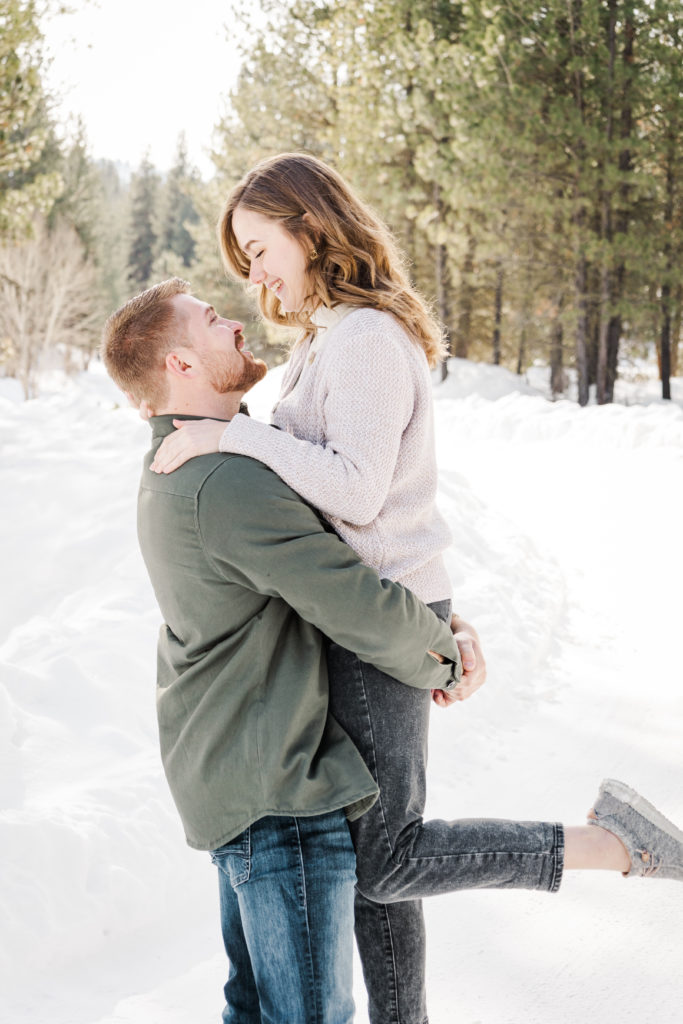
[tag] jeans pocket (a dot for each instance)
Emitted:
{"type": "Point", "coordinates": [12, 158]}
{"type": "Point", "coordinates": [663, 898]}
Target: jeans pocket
{"type": "Point", "coordinates": [234, 858]}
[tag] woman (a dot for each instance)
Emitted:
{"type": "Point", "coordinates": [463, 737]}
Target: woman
{"type": "Point", "coordinates": [356, 440]}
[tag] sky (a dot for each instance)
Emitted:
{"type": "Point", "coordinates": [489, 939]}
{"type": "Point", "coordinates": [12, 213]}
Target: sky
{"type": "Point", "coordinates": [139, 73]}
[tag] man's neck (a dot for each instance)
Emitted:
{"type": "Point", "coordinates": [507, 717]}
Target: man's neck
{"type": "Point", "coordinates": [209, 406]}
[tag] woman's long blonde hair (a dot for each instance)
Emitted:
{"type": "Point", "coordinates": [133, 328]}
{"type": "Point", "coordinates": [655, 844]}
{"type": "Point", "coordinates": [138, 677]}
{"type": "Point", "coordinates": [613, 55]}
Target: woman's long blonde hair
{"type": "Point", "coordinates": [354, 258]}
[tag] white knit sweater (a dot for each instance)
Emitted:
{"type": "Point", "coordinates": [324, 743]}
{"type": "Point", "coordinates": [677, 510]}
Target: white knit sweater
{"type": "Point", "coordinates": [356, 440]}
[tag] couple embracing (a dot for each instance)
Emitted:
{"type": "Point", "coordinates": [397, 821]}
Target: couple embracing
{"type": "Point", "coordinates": [298, 566]}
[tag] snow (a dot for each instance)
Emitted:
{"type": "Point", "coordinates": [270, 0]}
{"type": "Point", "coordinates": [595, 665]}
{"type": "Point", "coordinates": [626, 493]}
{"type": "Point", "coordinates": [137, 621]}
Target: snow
{"type": "Point", "coordinates": [567, 555]}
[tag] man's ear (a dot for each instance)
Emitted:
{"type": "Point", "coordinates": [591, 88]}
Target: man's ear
{"type": "Point", "coordinates": [179, 363]}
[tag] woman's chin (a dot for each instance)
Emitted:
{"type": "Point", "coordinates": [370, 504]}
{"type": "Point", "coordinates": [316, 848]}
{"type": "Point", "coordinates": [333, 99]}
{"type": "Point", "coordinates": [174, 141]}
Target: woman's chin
{"type": "Point", "coordinates": [288, 306]}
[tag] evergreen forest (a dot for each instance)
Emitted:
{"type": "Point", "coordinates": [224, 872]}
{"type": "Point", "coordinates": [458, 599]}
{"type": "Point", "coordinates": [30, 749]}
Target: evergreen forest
{"type": "Point", "coordinates": [529, 157]}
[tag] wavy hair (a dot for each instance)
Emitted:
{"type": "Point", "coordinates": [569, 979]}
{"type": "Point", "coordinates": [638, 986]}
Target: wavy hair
{"type": "Point", "coordinates": [356, 261]}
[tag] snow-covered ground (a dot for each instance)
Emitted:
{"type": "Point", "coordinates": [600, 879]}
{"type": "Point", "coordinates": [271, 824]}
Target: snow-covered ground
{"type": "Point", "coordinates": [568, 556]}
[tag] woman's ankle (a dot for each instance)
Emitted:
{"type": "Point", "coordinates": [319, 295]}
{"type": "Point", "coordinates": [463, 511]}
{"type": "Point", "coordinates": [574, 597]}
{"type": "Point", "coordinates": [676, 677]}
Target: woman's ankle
{"type": "Point", "coordinates": [594, 849]}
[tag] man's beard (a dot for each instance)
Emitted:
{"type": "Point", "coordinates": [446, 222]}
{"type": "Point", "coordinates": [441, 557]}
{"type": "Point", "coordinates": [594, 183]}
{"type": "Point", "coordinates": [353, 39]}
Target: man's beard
{"type": "Point", "coordinates": [225, 380]}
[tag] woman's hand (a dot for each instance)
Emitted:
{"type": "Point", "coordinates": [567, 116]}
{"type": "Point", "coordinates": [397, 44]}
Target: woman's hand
{"type": "Point", "coordinates": [192, 437]}
{"type": "Point", "coordinates": [144, 411]}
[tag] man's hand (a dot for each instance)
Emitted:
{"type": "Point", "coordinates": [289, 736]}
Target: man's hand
{"type": "Point", "coordinates": [473, 665]}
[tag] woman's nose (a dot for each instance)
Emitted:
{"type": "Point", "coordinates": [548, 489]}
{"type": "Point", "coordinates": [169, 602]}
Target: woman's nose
{"type": "Point", "coordinates": [256, 275]}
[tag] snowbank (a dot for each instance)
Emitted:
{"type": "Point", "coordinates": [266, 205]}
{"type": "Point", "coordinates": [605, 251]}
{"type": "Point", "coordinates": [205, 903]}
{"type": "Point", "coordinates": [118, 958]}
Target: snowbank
{"type": "Point", "coordinates": [567, 555]}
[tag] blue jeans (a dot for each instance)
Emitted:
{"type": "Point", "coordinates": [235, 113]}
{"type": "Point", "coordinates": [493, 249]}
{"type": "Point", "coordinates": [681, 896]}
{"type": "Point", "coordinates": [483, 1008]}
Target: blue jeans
{"type": "Point", "coordinates": [402, 858]}
{"type": "Point", "coordinates": [286, 895]}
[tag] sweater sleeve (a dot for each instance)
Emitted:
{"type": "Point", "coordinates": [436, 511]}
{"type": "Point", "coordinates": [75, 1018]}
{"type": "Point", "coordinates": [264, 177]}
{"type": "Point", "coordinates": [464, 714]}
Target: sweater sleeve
{"type": "Point", "coordinates": [368, 401]}
{"type": "Point", "coordinates": [259, 534]}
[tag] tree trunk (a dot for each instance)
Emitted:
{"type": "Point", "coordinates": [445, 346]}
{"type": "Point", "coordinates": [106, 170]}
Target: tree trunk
{"type": "Point", "coordinates": [665, 334]}
{"type": "Point", "coordinates": [26, 374]}
{"type": "Point", "coordinates": [581, 339]}
{"type": "Point", "coordinates": [557, 375]}
{"type": "Point", "coordinates": [526, 320]}
{"type": "Point", "coordinates": [676, 329]}
{"type": "Point", "coordinates": [466, 301]}
{"type": "Point", "coordinates": [654, 304]}
{"type": "Point", "coordinates": [581, 268]}
{"type": "Point", "coordinates": [606, 234]}
{"type": "Point", "coordinates": [521, 351]}
{"type": "Point", "coordinates": [440, 271]}
{"type": "Point", "coordinates": [613, 340]}
{"type": "Point", "coordinates": [443, 307]}
{"type": "Point", "coordinates": [592, 320]}
{"type": "Point", "coordinates": [602, 391]}
{"type": "Point", "coordinates": [498, 314]}
{"type": "Point", "coordinates": [666, 298]}
{"type": "Point", "coordinates": [665, 341]}
{"type": "Point", "coordinates": [622, 218]}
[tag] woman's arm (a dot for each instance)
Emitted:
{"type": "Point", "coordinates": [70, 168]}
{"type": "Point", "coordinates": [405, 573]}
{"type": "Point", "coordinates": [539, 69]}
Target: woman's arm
{"type": "Point", "coordinates": [368, 404]}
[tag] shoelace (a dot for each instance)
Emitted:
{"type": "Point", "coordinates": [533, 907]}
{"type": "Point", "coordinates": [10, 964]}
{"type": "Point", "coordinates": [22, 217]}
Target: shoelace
{"type": "Point", "coordinates": [652, 865]}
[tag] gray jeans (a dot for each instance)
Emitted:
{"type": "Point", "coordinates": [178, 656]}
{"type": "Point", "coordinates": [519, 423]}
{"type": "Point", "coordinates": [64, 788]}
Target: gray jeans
{"type": "Point", "coordinates": [400, 857]}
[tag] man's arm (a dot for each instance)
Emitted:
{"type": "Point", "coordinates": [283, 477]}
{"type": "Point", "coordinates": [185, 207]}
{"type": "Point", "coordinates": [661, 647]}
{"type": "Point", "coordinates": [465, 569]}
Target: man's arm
{"type": "Point", "coordinates": [261, 534]}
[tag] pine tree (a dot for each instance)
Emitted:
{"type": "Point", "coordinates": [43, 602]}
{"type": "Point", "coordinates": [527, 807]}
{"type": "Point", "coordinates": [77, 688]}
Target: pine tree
{"type": "Point", "coordinates": [29, 181]}
{"type": "Point", "coordinates": [177, 209]}
{"type": "Point", "coordinates": [528, 157]}
{"type": "Point", "coordinates": [144, 191]}
{"type": "Point", "coordinates": [111, 243]}
{"type": "Point", "coordinates": [663, 154]}
{"type": "Point", "coordinates": [79, 200]}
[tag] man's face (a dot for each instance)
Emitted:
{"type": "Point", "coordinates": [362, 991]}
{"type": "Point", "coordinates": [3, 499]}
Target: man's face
{"type": "Point", "coordinates": [219, 344]}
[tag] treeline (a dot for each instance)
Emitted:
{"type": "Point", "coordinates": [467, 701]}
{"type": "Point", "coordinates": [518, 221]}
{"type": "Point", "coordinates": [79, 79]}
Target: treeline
{"type": "Point", "coordinates": [78, 237]}
{"type": "Point", "coordinates": [51, 255]}
{"type": "Point", "coordinates": [528, 156]}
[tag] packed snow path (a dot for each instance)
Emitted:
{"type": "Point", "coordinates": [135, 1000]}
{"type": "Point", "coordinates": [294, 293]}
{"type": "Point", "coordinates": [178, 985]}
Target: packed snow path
{"type": "Point", "coordinates": [568, 556]}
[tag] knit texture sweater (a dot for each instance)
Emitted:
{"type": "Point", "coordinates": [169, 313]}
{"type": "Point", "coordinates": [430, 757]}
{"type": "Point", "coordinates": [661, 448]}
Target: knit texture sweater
{"type": "Point", "coordinates": [356, 440]}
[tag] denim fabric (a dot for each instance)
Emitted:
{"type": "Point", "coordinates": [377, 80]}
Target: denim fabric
{"type": "Point", "coordinates": [399, 856]}
{"type": "Point", "coordinates": [286, 895]}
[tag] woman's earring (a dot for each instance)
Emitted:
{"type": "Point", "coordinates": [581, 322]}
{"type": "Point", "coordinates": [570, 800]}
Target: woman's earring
{"type": "Point", "coordinates": [313, 255]}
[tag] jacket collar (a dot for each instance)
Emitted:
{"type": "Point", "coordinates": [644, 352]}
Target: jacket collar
{"type": "Point", "coordinates": [163, 425]}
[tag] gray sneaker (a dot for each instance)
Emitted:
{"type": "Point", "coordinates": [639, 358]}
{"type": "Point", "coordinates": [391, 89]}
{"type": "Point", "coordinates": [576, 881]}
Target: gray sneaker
{"type": "Point", "coordinates": [655, 846]}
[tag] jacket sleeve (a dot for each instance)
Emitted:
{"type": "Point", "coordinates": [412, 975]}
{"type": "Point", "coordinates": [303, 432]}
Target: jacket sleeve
{"type": "Point", "coordinates": [366, 409]}
{"type": "Point", "coordinates": [260, 534]}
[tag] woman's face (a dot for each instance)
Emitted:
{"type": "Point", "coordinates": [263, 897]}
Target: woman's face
{"type": "Point", "coordinates": [277, 260]}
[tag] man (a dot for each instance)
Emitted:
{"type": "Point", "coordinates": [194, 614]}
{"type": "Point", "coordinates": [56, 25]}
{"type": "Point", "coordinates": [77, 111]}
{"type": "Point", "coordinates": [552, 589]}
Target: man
{"type": "Point", "coordinates": [249, 578]}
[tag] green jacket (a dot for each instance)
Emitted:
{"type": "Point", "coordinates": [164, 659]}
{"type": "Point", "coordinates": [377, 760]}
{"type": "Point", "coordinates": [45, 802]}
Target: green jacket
{"type": "Point", "coordinates": [249, 578]}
